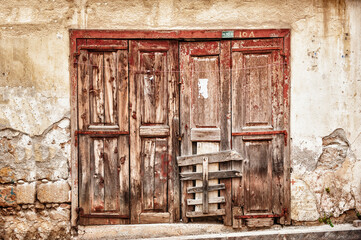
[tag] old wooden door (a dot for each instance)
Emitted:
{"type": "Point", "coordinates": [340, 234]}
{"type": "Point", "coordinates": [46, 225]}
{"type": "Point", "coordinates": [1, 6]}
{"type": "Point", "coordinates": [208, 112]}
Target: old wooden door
{"type": "Point", "coordinates": [259, 125]}
{"type": "Point", "coordinates": [153, 122]}
{"type": "Point", "coordinates": [103, 135]}
{"type": "Point", "coordinates": [127, 171]}
{"type": "Point", "coordinates": [205, 116]}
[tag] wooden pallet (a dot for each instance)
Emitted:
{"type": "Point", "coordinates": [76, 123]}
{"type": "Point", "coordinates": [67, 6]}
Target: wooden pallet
{"type": "Point", "coordinates": [205, 175]}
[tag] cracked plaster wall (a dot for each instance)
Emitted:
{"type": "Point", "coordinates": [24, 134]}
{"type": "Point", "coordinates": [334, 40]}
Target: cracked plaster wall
{"type": "Point", "coordinates": [34, 79]}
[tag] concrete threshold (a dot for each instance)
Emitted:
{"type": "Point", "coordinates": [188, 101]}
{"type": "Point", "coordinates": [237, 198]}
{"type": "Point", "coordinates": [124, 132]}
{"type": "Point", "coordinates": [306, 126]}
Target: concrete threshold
{"type": "Point", "coordinates": [217, 232]}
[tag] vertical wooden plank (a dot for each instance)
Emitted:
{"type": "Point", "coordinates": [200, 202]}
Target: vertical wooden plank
{"type": "Point", "coordinates": [148, 172]}
{"type": "Point", "coordinates": [278, 156]}
{"type": "Point", "coordinates": [98, 175]}
{"type": "Point", "coordinates": [97, 88]}
{"type": "Point", "coordinates": [259, 181]}
{"type": "Point", "coordinates": [225, 123]}
{"type": "Point", "coordinates": [110, 88]}
{"type": "Point", "coordinates": [154, 87]}
{"type": "Point", "coordinates": [83, 89]}
{"type": "Point", "coordinates": [286, 97]}
{"type": "Point", "coordinates": [148, 87]}
{"type": "Point", "coordinates": [238, 74]}
{"type": "Point", "coordinates": [173, 143]}
{"type": "Point", "coordinates": [160, 174]}
{"type": "Point", "coordinates": [84, 176]}
{"type": "Point", "coordinates": [123, 169]}
{"type": "Point", "coordinates": [205, 185]}
{"type": "Point", "coordinates": [122, 79]}
{"type": "Point", "coordinates": [185, 105]}
{"type": "Point", "coordinates": [161, 94]}
{"type": "Point", "coordinates": [135, 146]}
{"type": "Point", "coordinates": [111, 178]}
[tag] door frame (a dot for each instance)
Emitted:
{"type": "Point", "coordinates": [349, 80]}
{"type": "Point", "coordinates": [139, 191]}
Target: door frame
{"type": "Point", "coordinates": [182, 35]}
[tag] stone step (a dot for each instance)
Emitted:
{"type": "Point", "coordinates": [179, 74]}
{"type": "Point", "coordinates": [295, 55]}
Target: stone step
{"type": "Point", "coordinates": [217, 232]}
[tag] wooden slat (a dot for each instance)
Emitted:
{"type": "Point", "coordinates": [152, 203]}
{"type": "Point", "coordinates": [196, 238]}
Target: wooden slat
{"type": "Point", "coordinates": [84, 175]}
{"type": "Point", "coordinates": [111, 177]}
{"type": "Point", "coordinates": [212, 175]}
{"type": "Point", "coordinates": [83, 90]}
{"type": "Point", "coordinates": [154, 218]}
{"type": "Point", "coordinates": [236, 211]}
{"type": "Point", "coordinates": [160, 174]}
{"type": "Point", "coordinates": [210, 200]}
{"type": "Point", "coordinates": [135, 140]}
{"type": "Point", "coordinates": [154, 131]}
{"type": "Point", "coordinates": [225, 126]}
{"type": "Point", "coordinates": [123, 168]}
{"type": "Point", "coordinates": [185, 105]}
{"type": "Point", "coordinates": [154, 87]}
{"type": "Point", "coordinates": [148, 172]}
{"type": "Point", "coordinates": [205, 185]}
{"type": "Point", "coordinates": [96, 91]}
{"type": "Point", "coordinates": [173, 143]}
{"type": "Point", "coordinates": [237, 143]}
{"type": "Point", "coordinates": [97, 175]}
{"type": "Point", "coordinates": [110, 88]}
{"type": "Point", "coordinates": [210, 188]}
{"type": "Point", "coordinates": [218, 212]}
{"type": "Point", "coordinates": [216, 157]}
{"type": "Point", "coordinates": [122, 78]}
{"type": "Point", "coordinates": [205, 134]}
{"type": "Point", "coordinates": [259, 222]}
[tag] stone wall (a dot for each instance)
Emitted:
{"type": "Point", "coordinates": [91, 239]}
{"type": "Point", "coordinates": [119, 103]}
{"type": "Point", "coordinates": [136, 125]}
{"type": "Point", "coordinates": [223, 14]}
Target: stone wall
{"type": "Point", "coordinates": [34, 187]}
{"type": "Point", "coordinates": [35, 90]}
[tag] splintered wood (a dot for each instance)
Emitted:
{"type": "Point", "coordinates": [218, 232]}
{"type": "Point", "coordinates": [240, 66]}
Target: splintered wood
{"type": "Point", "coordinates": [206, 193]}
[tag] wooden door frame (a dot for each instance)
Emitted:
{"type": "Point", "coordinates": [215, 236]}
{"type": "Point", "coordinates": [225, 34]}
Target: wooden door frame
{"type": "Point", "coordinates": [182, 35]}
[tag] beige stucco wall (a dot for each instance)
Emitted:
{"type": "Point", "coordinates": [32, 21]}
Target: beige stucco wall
{"type": "Point", "coordinates": [325, 76]}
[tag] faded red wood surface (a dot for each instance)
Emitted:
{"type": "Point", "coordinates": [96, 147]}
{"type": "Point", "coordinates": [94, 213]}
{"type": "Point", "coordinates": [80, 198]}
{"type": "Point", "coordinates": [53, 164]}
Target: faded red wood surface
{"type": "Point", "coordinates": [153, 108]}
{"type": "Point", "coordinates": [234, 94]}
{"type": "Point", "coordinates": [258, 124]}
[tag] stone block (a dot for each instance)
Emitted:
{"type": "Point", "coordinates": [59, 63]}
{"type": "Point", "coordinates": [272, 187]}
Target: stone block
{"type": "Point", "coordinates": [7, 196]}
{"type": "Point", "coordinates": [357, 223]}
{"type": "Point", "coordinates": [57, 192]}
{"type": "Point", "coordinates": [25, 193]}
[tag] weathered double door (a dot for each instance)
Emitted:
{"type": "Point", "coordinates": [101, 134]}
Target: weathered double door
{"type": "Point", "coordinates": [127, 110]}
{"type": "Point", "coordinates": [141, 103]}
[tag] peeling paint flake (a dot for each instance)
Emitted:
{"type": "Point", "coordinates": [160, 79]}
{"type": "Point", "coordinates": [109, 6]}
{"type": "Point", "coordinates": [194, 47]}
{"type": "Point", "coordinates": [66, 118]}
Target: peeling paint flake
{"type": "Point", "coordinates": [203, 87]}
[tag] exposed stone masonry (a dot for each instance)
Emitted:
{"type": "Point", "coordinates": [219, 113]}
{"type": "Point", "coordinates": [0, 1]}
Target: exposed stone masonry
{"type": "Point", "coordinates": [333, 187]}
{"type": "Point", "coordinates": [34, 187]}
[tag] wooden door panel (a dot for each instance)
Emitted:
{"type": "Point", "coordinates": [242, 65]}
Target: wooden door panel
{"type": "Point", "coordinates": [258, 177]}
{"type": "Point", "coordinates": [110, 88]}
{"type": "Point", "coordinates": [103, 90]}
{"type": "Point", "coordinates": [155, 169]}
{"type": "Point", "coordinates": [205, 108]}
{"type": "Point", "coordinates": [153, 87]}
{"type": "Point", "coordinates": [258, 128]}
{"type": "Point", "coordinates": [103, 133]}
{"type": "Point", "coordinates": [96, 92]}
{"type": "Point", "coordinates": [257, 91]}
{"type": "Point", "coordinates": [104, 179]}
{"type": "Point", "coordinates": [205, 91]}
